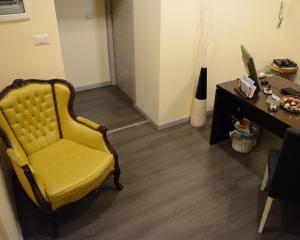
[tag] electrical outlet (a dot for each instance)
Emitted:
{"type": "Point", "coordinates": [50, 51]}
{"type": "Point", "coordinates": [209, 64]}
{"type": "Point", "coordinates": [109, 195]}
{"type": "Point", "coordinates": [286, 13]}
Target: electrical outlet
{"type": "Point", "coordinates": [41, 39]}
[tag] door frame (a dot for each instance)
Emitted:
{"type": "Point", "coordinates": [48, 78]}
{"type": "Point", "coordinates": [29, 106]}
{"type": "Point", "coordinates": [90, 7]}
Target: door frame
{"type": "Point", "coordinates": [110, 40]}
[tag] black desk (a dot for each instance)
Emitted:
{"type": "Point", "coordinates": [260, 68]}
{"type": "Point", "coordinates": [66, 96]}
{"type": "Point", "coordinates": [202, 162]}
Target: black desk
{"type": "Point", "coordinates": [229, 103]}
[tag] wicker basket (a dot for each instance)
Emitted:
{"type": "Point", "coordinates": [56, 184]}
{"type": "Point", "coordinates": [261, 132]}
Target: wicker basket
{"type": "Point", "coordinates": [243, 145]}
{"type": "Point", "coordinates": [285, 72]}
{"type": "Point", "coordinates": [242, 141]}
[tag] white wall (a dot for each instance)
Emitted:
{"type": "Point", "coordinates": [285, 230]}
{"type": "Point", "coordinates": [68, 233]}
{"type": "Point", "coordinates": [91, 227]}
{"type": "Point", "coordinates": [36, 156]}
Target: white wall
{"type": "Point", "coordinates": [251, 23]}
{"type": "Point", "coordinates": [20, 58]}
{"type": "Point", "coordinates": [178, 49]}
{"type": "Point", "coordinates": [147, 56]}
{"type": "Point", "coordinates": [291, 46]}
{"type": "Point", "coordinates": [123, 42]}
{"type": "Point", "coordinates": [9, 225]}
{"type": "Point", "coordinates": [9, 229]}
{"type": "Point", "coordinates": [84, 41]}
{"type": "Point", "coordinates": [234, 22]}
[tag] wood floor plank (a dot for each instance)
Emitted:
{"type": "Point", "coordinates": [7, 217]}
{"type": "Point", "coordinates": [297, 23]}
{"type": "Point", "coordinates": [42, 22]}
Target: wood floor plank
{"type": "Point", "coordinates": [108, 106]}
{"type": "Point", "coordinates": [176, 186]}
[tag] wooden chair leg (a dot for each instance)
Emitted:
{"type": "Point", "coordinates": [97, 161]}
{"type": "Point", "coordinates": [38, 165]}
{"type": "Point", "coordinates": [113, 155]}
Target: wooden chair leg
{"type": "Point", "coordinates": [265, 179]}
{"type": "Point", "coordinates": [265, 214]}
{"type": "Point", "coordinates": [118, 185]}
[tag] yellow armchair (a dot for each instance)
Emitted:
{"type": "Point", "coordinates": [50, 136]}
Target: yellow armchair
{"type": "Point", "coordinates": [59, 158]}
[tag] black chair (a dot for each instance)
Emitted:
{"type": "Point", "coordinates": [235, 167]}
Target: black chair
{"type": "Point", "coordinates": [282, 176]}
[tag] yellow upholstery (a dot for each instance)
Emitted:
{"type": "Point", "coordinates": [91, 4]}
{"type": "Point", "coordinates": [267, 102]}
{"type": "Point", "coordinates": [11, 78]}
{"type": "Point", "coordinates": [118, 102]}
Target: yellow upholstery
{"type": "Point", "coordinates": [18, 157]}
{"type": "Point", "coordinates": [30, 113]}
{"type": "Point", "coordinates": [17, 165]}
{"type": "Point", "coordinates": [73, 130]}
{"type": "Point", "coordinates": [67, 156]}
{"type": "Point", "coordinates": [70, 170]}
{"type": "Point", "coordinates": [88, 122]}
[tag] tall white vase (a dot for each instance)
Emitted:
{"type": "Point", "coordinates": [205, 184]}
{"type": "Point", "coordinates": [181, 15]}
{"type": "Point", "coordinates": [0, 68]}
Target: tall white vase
{"type": "Point", "coordinates": [199, 108]}
{"type": "Point", "coordinates": [198, 114]}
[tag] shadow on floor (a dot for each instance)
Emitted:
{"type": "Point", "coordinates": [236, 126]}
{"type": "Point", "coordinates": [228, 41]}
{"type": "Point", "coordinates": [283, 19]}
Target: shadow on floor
{"type": "Point", "coordinates": [35, 223]}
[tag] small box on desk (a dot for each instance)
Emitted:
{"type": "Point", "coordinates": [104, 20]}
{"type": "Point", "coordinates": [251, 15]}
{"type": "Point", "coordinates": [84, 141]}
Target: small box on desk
{"type": "Point", "coordinates": [245, 87]}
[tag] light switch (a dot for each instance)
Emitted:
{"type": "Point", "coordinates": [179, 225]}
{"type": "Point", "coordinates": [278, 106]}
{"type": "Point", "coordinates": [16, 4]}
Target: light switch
{"type": "Point", "coordinates": [41, 39]}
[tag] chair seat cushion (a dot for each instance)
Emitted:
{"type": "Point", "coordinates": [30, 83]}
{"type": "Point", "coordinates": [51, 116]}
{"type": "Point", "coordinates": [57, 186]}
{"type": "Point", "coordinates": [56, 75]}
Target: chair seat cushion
{"type": "Point", "coordinates": [70, 170]}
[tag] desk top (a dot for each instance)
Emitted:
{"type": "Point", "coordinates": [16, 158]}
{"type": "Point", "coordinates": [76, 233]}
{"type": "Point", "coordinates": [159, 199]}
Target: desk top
{"type": "Point", "coordinates": [291, 119]}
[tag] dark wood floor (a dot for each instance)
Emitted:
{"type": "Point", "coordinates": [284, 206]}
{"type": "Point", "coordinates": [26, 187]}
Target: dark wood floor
{"type": "Point", "coordinates": [108, 106]}
{"type": "Point", "coordinates": [176, 186]}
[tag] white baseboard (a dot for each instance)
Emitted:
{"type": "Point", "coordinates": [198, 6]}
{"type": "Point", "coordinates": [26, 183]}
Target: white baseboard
{"type": "Point", "coordinates": [92, 86]}
{"type": "Point", "coordinates": [174, 123]}
{"type": "Point", "coordinates": [165, 125]}
{"type": "Point", "coordinates": [209, 114]}
{"type": "Point", "coordinates": [145, 116]}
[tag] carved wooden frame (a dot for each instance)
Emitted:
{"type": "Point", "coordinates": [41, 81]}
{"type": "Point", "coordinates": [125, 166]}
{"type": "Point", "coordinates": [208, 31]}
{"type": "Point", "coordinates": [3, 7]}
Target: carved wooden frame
{"type": "Point", "coordinates": [42, 202]}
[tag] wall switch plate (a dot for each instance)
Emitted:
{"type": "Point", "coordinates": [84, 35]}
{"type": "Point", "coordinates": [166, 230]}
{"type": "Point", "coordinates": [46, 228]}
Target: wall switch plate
{"type": "Point", "coordinates": [41, 39]}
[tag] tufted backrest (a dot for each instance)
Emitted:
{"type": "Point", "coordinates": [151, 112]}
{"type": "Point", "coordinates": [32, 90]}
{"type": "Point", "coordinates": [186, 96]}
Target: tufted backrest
{"type": "Point", "coordinates": [30, 112]}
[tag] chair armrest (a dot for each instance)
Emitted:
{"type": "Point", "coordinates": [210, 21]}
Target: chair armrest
{"type": "Point", "coordinates": [88, 122]}
{"type": "Point", "coordinates": [76, 128]}
{"type": "Point", "coordinates": [30, 181]}
{"type": "Point", "coordinates": [38, 191]}
{"type": "Point", "coordinates": [86, 132]}
{"type": "Point", "coordinates": [104, 142]}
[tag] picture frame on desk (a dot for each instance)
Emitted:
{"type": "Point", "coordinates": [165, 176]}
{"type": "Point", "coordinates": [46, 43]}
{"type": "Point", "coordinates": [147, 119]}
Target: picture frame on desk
{"type": "Point", "coordinates": [241, 91]}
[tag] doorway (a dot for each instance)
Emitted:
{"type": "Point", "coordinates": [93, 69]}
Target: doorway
{"type": "Point", "coordinates": [97, 44]}
{"type": "Point", "coordinates": [83, 37]}
{"type": "Point", "coordinates": [121, 39]}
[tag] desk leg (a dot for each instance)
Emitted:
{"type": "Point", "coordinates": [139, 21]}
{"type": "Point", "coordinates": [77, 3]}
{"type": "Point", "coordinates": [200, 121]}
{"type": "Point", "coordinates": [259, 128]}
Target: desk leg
{"type": "Point", "coordinates": [225, 107]}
